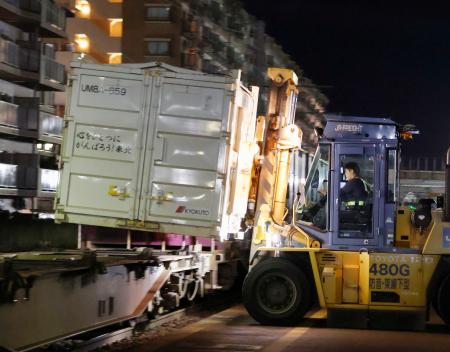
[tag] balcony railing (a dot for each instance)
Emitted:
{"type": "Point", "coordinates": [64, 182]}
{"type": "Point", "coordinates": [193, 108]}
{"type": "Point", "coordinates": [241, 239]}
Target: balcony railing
{"type": "Point", "coordinates": [29, 178]}
{"type": "Point", "coordinates": [47, 98]}
{"type": "Point", "coordinates": [53, 15]}
{"type": "Point", "coordinates": [27, 5]}
{"type": "Point", "coordinates": [52, 70]}
{"type": "Point", "coordinates": [9, 52]}
{"type": "Point", "coordinates": [46, 14]}
{"type": "Point", "coordinates": [209, 67]}
{"type": "Point", "coordinates": [19, 170]}
{"type": "Point", "coordinates": [20, 57]}
{"type": "Point", "coordinates": [21, 116]}
{"type": "Point", "coordinates": [191, 27]}
{"type": "Point", "coordinates": [48, 180]}
{"type": "Point", "coordinates": [51, 125]}
{"type": "Point", "coordinates": [20, 113]}
{"type": "Point", "coordinates": [8, 114]}
{"type": "Point", "coordinates": [29, 59]}
{"type": "Point", "coordinates": [8, 175]}
{"type": "Point", "coordinates": [190, 59]}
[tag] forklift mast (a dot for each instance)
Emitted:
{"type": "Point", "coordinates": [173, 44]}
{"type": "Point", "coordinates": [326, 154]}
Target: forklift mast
{"type": "Point", "coordinates": [277, 136]}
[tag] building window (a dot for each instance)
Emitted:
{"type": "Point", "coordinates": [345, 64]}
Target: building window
{"type": "Point", "coordinates": [82, 42]}
{"type": "Point", "coordinates": [83, 7]}
{"type": "Point", "coordinates": [158, 13]}
{"type": "Point", "coordinates": [114, 58]}
{"type": "Point", "coordinates": [115, 27]}
{"type": "Point", "coordinates": [159, 47]}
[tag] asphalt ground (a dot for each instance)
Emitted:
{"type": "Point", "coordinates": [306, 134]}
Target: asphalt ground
{"type": "Point", "coordinates": [232, 329]}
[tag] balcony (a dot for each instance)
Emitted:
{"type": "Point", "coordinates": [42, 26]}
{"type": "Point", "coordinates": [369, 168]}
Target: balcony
{"type": "Point", "coordinates": [216, 12]}
{"type": "Point", "coordinates": [191, 29]}
{"type": "Point", "coordinates": [26, 5]}
{"type": "Point", "coordinates": [8, 178]}
{"type": "Point", "coordinates": [23, 14]}
{"type": "Point", "coordinates": [16, 63]}
{"type": "Point", "coordinates": [29, 14]}
{"type": "Point", "coordinates": [211, 66]}
{"type": "Point", "coordinates": [190, 59]}
{"type": "Point", "coordinates": [18, 174]}
{"type": "Point", "coordinates": [19, 117]}
{"type": "Point", "coordinates": [26, 172]}
{"type": "Point", "coordinates": [26, 66]}
{"type": "Point", "coordinates": [47, 182]}
{"type": "Point", "coordinates": [214, 45]}
{"type": "Point", "coordinates": [53, 20]}
{"type": "Point", "coordinates": [52, 74]}
{"type": "Point", "coordinates": [28, 180]}
{"type": "Point", "coordinates": [234, 59]}
{"type": "Point", "coordinates": [50, 128]}
{"type": "Point", "coordinates": [23, 117]}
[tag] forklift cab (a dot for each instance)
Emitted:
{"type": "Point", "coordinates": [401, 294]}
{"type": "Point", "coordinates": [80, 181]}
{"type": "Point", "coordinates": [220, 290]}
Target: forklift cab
{"type": "Point", "coordinates": [349, 195]}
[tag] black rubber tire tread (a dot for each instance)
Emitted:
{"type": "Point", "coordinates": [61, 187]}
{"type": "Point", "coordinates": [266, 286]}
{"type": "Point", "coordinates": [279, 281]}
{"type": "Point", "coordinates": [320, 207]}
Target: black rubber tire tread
{"type": "Point", "coordinates": [292, 271]}
{"type": "Point", "coordinates": [434, 303]}
{"type": "Point", "coordinates": [443, 300]}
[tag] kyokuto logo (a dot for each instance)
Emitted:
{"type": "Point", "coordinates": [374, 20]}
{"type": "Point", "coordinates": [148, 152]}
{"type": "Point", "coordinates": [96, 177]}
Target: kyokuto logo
{"type": "Point", "coordinates": [183, 210]}
{"type": "Point", "coordinates": [344, 127]}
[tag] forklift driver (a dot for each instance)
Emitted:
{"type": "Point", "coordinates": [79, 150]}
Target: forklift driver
{"type": "Point", "coordinates": [355, 190]}
{"type": "Point", "coordinates": [354, 214]}
{"type": "Point", "coordinates": [320, 217]}
{"type": "Point", "coordinates": [315, 212]}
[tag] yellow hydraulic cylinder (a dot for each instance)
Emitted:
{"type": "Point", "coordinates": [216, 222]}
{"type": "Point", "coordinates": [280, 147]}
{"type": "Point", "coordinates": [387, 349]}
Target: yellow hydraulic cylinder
{"type": "Point", "coordinates": [281, 136]}
{"type": "Point", "coordinates": [279, 201]}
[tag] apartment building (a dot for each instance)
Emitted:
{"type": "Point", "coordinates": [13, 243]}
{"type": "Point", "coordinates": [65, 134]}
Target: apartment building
{"type": "Point", "coordinates": [208, 35]}
{"type": "Point", "coordinates": [30, 128]}
{"type": "Point", "coordinates": [213, 36]}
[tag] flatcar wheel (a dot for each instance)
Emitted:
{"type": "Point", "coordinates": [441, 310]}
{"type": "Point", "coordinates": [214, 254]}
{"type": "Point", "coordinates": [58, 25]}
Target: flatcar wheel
{"type": "Point", "coordinates": [443, 300]}
{"type": "Point", "coordinates": [276, 292]}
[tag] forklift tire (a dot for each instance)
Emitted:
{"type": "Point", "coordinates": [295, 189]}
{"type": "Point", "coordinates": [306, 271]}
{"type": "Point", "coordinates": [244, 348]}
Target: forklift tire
{"type": "Point", "coordinates": [434, 303]}
{"type": "Point", "coordinates": [277, 292]}
{"type": "Point", "coordinates": [443, 301]}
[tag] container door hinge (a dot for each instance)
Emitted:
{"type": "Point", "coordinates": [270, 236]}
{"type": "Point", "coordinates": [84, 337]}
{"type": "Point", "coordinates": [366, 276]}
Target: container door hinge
{"type": "Point", "coordinates": [70, 80]}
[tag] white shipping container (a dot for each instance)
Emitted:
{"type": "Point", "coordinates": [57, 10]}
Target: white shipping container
{"type": "Point", "coordinates": [156, 147]}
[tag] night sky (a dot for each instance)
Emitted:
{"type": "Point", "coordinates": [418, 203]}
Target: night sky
{"type": "Point", "coordinates": [377, 58]}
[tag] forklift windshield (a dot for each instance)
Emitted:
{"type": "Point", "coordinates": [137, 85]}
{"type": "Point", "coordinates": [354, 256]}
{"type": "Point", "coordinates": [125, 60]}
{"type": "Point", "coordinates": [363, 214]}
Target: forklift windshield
{"type": "Point", "coordinates": [314, 208]}
{"type": "Point", "coordinates": [353, 192]}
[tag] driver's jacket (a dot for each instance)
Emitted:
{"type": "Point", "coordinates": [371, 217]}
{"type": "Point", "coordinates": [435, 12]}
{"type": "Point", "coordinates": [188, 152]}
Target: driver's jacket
{"type": "Point", "coordinates": [354, 192]}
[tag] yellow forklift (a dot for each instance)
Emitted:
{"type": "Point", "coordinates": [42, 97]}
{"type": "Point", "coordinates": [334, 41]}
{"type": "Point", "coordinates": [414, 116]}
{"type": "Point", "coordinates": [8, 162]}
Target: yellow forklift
{"type": "Point", "coordinates": [350, 245]}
